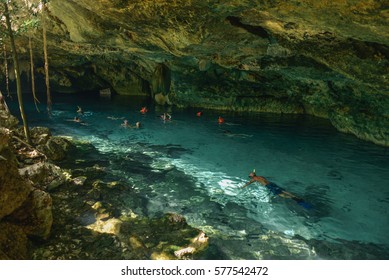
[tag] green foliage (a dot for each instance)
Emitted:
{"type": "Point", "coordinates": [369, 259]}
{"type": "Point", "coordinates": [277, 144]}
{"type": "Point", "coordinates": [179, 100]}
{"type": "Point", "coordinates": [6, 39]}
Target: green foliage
{"type": "Point", "coordinates": [23, 18]}
{"type": "Point", "coordinates": [29, 24]}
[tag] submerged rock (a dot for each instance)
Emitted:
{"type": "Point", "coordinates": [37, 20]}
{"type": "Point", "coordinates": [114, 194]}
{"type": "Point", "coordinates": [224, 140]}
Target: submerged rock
{"type": "Point", "coordinates": [169, 237]}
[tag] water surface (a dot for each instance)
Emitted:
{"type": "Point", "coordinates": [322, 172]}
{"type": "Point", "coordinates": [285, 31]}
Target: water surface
{"type": "Point", "coordinates": [195, 167]}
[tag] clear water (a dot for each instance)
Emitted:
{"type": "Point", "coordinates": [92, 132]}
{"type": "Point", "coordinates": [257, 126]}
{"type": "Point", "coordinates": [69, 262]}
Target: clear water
{"type": "Point", "coordinates": [344, 178]}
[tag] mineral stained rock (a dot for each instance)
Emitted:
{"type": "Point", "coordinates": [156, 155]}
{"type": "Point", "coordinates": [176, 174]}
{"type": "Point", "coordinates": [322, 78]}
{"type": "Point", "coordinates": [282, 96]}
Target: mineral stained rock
{"type": "Point", "coordinates": [324, 58]}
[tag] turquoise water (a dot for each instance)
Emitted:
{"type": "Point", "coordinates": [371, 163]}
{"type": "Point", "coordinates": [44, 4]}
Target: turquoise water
{"type": "Point", "coordinates": [195, 167]}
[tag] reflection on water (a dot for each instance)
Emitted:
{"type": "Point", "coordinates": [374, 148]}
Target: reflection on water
{"type": "Point", "coordinates": [195, 167]}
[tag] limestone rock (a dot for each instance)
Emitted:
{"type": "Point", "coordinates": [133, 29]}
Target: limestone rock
{"type": "Point", "coordinates": [163, 238]}
{"type": "Point", "coordinates": [44, 175]}
{"type": "Point", "coordinates": [35, 215]}
{"type": "Point", "coordinates": [13, 242]}
{"type": "Point", "coordinates": [40, 135]}
{"type": "Point", "coordinates": [14, 189]}
{"type": "Point", "coordinates": [197, 244]}
{"type": "Point", "coordinates": [56, 148]}
{"type": "Point", "coordinates": [7, 120]}
{"type": "Point", "coordinates": [301, 57]}
{"type": "Point", "coordinates": [110, 226]}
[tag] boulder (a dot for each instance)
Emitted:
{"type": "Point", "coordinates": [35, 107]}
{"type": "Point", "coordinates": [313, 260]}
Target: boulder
{"type": "Point", "coordinates": [13, 242]}
{"type": "Point", "coordinates": [7, 120]}
{"type": "Point", "coordinates": [40, 135]}
{"type": "Point", "coordinates": [35, 215]}
{"type": "Point", "coordinates": [56, 148]}
{"type": "Point", "coordinates": [14, 189]}
{"type": "Point", "coordinates": [44, 175]}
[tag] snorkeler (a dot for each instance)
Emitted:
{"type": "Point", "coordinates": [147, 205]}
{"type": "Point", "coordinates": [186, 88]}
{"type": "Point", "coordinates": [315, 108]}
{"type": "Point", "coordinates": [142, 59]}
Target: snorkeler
{"type": "Point", "coordinates": [276, 190]}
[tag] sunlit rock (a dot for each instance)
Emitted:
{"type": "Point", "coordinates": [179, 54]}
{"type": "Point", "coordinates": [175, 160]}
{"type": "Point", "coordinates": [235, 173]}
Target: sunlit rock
{"type": "Point", "coordinates": [40, 135]}
{"type": "Point", "coordinates": [79, 181]}
{"type": "Point", "coordinates": [197, 244]}
{"type": "Point", "coordinates": [55, 148]}
{"type": "Point", "coordinates": [110, 226]}
{"type": "Point", "coordinates": [44, 175]}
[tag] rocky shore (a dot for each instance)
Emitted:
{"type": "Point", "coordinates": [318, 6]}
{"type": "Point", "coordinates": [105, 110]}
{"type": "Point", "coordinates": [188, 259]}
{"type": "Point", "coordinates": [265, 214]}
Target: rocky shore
{"type": "Point", "coordinates": [51, 213]}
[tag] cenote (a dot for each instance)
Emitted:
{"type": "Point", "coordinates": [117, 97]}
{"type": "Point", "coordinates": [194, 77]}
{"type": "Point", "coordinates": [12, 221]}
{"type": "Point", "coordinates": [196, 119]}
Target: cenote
{"type": "Point", "coordinates": [195, 167]}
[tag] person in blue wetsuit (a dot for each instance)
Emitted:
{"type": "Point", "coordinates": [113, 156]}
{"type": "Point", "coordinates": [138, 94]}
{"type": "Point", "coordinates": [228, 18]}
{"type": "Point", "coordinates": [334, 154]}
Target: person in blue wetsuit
{"type": "Point", "coordinates": [276, 190]}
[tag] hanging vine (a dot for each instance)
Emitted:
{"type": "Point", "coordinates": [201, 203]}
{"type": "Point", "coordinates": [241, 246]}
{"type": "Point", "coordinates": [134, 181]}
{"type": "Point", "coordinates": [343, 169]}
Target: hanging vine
{"type": "Point", "coordinates": [6, 70]}
{"type": "Point", "coordinates": [49, 102]}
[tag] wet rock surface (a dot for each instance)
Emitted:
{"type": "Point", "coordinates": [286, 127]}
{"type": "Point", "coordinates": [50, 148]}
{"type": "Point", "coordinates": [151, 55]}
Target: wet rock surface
{"type": "Point", "coordinates": [97, 218]}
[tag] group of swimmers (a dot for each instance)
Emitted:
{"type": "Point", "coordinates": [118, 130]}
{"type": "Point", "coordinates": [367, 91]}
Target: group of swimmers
{"type": "Point", "coordinates": [270, 186]}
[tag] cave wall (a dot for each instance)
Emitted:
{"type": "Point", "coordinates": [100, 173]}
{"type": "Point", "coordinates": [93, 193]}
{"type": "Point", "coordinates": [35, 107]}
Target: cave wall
{"type": "Point", "coordinates": [324, 58]}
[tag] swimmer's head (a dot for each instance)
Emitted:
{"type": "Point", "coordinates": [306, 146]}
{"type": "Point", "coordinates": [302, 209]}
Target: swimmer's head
{"type": "Point", "coordinates": [252, 174]}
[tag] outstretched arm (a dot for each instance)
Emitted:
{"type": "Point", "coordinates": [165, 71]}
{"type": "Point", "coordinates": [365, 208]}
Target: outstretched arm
{"type": "Point", "coordinates": [248, 183]}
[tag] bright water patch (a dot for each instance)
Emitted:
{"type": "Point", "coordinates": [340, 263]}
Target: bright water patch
{"type": "Point", "coordinates": [196, 167]}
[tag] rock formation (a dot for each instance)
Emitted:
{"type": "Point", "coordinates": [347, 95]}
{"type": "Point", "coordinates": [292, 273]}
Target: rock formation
{"type": "Point", "coordinates": [25, 175]}
{"type": "Point", "coordinates": [323, 58]}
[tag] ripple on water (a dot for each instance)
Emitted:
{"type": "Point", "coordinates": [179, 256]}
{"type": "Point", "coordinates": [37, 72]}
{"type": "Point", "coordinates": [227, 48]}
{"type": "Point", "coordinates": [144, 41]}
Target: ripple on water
{"type": "Point", "coordinates": [191, 167]}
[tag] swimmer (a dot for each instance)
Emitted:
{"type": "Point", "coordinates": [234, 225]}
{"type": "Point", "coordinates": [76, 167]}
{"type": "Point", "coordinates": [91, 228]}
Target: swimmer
{"type": "Point", "coordinates": [114, 118]}
{"type": "Point", "coordinates": [276, 190]}
{"type": "Point", "coordinates": [144, 110]}
{"type": "Point", "coordinates": [79, 110]}
{"type": "Point", "coordinates": [238, 135]}
{"type": "Point", "coordinates": [125, 123]}
{"type": "Point", "coordinates": [220, 120]}
{"type": "Point", "coordinates": [77, 120]}
{"type": "Point", "coordinates": [166, 117]}
{"type": "Point", "coordinates": [199, 114]}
